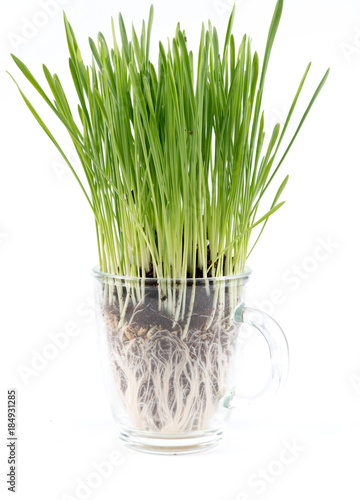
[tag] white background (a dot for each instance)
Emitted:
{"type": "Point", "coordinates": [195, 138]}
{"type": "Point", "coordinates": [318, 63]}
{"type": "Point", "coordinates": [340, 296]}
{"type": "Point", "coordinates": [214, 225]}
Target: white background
{"type": "Point", "coordinates": [47, 248]}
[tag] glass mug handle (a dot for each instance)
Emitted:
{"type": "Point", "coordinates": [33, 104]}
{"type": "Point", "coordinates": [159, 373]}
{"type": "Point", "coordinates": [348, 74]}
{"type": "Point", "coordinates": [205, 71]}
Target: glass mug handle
{"type": "Point", "coordinates": [278, 349]}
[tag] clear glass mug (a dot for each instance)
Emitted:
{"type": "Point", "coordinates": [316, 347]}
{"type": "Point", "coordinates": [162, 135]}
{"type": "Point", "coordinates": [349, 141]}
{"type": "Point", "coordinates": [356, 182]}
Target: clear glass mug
{"type": "Point", "coordinates": [170, 354]}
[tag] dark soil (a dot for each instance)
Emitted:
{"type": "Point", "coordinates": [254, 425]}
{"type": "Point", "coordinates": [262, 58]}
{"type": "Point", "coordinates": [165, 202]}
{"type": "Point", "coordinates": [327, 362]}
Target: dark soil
{"type": "Point", "coordinates": [148, 314]}
{"type": "Point", "coordinates": [148, 320]}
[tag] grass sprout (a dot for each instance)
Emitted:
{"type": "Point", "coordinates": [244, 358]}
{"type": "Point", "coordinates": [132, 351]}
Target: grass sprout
{"type": "Point", "coordinates": [173, 154]}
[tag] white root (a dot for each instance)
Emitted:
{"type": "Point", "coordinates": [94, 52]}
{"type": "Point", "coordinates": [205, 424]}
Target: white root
{"type": "Point", "coordinates": [171, 380]}
{"type": "Point", "coordinates": [169, 385]}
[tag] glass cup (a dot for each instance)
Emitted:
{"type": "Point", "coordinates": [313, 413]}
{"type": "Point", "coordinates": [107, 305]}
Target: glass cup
{"type": "Point", "coordinates": [170, 351]}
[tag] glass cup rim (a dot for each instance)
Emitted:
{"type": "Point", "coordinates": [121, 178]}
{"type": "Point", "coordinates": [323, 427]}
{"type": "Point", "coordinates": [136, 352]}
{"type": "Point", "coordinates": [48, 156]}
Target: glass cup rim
{"type": "Point", "coordinates": [100, 275]}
